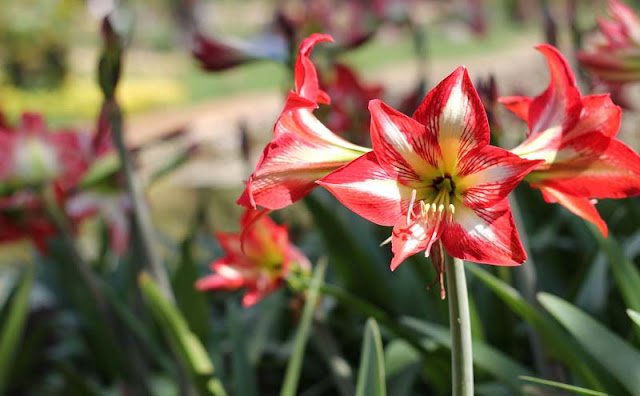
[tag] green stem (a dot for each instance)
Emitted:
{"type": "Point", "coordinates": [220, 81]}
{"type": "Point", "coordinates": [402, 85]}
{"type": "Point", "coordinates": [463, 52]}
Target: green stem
{"type": "Point", "coordinates": [63, 228]}
{"type": "Point", "coordinates": [143, 225]}
{"type": "Point", "coordinates": [460, 324]}
{"type": "Point", "coordinates": [61, 223]}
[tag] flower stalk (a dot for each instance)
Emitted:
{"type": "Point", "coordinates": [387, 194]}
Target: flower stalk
{"type": "Point", "coordinates": [143, 226]}
{"type": "Point", "coordinates": [460, 325]}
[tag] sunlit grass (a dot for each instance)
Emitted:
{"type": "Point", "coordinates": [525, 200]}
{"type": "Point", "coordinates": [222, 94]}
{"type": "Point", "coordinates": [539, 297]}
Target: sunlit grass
{"type": "Point", "coordinates": [79, 98]}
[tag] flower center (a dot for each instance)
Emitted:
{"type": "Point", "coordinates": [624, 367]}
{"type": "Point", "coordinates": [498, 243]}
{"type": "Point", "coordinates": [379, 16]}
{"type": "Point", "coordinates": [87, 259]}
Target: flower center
{"type": "Point", "coordinates": [432, 213]}
{"type": "Point", "coordinates": [444, 184]}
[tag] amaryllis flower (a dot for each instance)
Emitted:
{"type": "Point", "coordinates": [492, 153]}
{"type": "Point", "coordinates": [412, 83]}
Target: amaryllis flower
{"type": "Point", "coordinates": [435, 177]}
{"type": "Point", "coordinates": [218, 54]}
{"type": "Point", "coordinates": [303, 150]}
{"type": "Point", "coordinates": [34, 155]}
{"type": "Point", "coordinates": [612, 53]}
{"type": "Point", "coordinates": [348, 114]}
{"type": "Point", "coordinates": [352, 22]}
{"type": "Point", "coordinates": [258, 259]}
{"type": "Point", "coordinates": [575, 137]}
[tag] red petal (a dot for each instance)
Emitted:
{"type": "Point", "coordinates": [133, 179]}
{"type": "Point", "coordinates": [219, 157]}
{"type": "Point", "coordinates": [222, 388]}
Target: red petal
{"type": "Point", "coordinates": [627, 18]}
{"type": "Point", "coordinates": [489, 174]}
{"type": "Point", "coordinates": [232, 247]}
{"type": "Point", "coordinates": [453, 113]}
{"type": "Point", "coordinates": [262, 237]}
{"type": "Point", "coordinates": [593, 166]}
{"type": "Point", "coordinates": [580, 206]}
{"type": "Point", "coordinates": [218, 282]}
{"type": "Point", "coordinates": [216, 55]}
{"type": "Point", "coordinates": [288, 169]}
{"type": "Point", "coordinates": [32, 123]}
{"type": "Point", "coordinates": [409, 239]}
{"type": "Point", "coordinates": [73, 149]}
{"type": "Point", "coordinates": [305, 72]}
{"type": "Point", "coordinates": [253, 296]}
{"type": "Point", "coordinates": [599, 114]}
{"type": "Point", "coordinates": [403, 146]}
{"type": "Point", "coordinates": [518, 105]}
{"type": "Point", "coordinates": [367, 189]}
{"type": "Point", "coordinates": [487, 236]}
{"type": "Point", "coordinates": [559, 105]}
{"type": "Point", "coordinates": [297, 118]}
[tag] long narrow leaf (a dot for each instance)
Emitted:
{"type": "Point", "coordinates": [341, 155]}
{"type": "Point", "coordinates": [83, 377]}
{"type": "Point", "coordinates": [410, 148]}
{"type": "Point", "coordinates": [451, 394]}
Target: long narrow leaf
{"type": "Point", "coordinates": [371, 377]}
{"type": "Point", "coordinates": [182, 338]}
{"type": "Point", "coordinates": [244, 382]}
{"type": "Point", "coordinates": [614, 354]}
{"type": "Point", "coordinates": [634, 315]}
{"type": "Point", "coordinates": [560, 385]}
{"type": "Point", "coordinates": [624, 271]}
{"type": "Point", "coordinates": [294, 367]}
{"type": "Point", "coordinates": [485, 357]}
{"type": "Point", "coordinates": [560, 344]}
{"type": "Point", "coordinates": [354, 264]}
{"type": "Point", "coordinates": [13, 326]}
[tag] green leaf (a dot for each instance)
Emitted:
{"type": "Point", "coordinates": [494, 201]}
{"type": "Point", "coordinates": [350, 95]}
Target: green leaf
{"type": "Point", "coordinates": [559, 344]}
{"type": "Point", "coordinates": [398, 355]}
{"type": "Point", "coordinates": [560, 385]}
{"type": "Point", "coordinates": [101, 169]}
{"type": "Point", "coordinates": [269, 316]}
{"type": "Point", "coordinates": [619, 358]}
{"type": "Point", "coordinates": [634, 315]}
{"type": "Point", "coordinates": [138, 329]}
{"type": "Point", "coordinates": [11, 330]}
{"type": "Point", "coordinates": [485, 357]}
{"type": "Point", "coordinates": [292, 375]}
{"type": "Point", "coordinates": [357, 266]}
{"type": "Point", "coordinates": [624, 271]}
{"type": "Point", "coordinates": [182, 338]}
{"type": "Point", "coordinates": [371, 377]}
{"type": "Point", "coordinates": [76, 383]}
{"type": "Point", "coordinates": [191, 302]}
{"type": "Point", "coordinates": [244, 382]}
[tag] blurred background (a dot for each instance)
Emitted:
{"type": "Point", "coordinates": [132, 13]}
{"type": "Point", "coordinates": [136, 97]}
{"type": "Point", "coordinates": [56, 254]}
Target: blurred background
{"type": "Point", "coordinates": [210, 77]}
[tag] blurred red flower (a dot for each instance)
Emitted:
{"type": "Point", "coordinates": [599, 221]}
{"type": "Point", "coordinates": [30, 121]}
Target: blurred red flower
{"type": "Point", "coordinates": [258, 259]}
{"type": "Point", "coordinates": [611, 54]}
{"type": "Point", "coordinates": [348, 114]}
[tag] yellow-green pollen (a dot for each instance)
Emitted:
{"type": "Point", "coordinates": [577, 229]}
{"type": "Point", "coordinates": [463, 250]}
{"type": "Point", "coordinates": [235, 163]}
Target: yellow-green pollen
{"type": "Point", "coordinates": [440, 208]}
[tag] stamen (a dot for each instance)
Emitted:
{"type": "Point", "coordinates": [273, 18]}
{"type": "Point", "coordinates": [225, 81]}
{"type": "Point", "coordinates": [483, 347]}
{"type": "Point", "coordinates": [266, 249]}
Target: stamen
{"type": "Point", "coordinates": [410, 212]}
{"type": "Point", "coordinates": [386, 241]}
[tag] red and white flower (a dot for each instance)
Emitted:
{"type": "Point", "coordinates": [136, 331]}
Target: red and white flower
{"type": "Point", "coordinates": [611, 54]}
{"type": "Point", "coordinates": [575, 136]}
{"type": "Point", "coordinates": [257, 259]}
{"type": "Point", "coordinates": [303, 150]}
{"type": "Point", "coordinates": [34, 155]}
{"type": "Point", "coordinates": [435, 177]}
